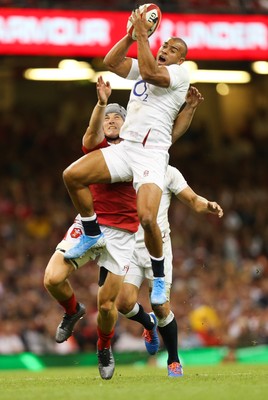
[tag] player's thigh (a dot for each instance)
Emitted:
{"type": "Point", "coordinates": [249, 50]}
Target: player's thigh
{"type": "Point", "coordinates": [148, 165]}
{"type": "Point", "coordinates": [118, 163]}
{"type": "Point", "coordinates": [148, 200]}
{"type": "Point", "coordinates": [118, 250]}
{"type": "Point", "coordinates": [109, 291]}
{"type": "Point", "coordinates": [127, 297]}
{"type": "Point", "coordinates": [91, 168]}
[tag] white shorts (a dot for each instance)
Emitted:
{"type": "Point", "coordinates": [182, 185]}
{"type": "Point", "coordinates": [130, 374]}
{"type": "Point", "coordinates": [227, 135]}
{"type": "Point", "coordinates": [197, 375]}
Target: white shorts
{"type": "Point", "coordinates": [132, 161]}
{"type": "Point", "coordinates": [118, 251]}
{"type": "Point", "coordinates": [115, 257]}
{"type": "Point", "coordinates": [141, 267]}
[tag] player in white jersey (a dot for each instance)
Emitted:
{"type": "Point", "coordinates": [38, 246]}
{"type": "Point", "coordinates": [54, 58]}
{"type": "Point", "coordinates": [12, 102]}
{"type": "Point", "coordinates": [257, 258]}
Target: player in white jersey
{"type": "Point", "coordinates": [149, 120]}
{"type": "Point", "coordinates": [140, 268]}
{"type": "Point", "coordinates": [142, 156]}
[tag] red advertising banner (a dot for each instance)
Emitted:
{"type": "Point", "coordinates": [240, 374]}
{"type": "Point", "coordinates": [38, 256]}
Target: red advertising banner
{"type": "Point", "coordinates": [93, 33]}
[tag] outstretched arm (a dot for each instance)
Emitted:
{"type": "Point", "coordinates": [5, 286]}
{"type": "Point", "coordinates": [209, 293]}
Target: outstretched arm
{"type": "Point", "coordinates": [94, 133]}
{"type": "Point", "coordinates": [182, 122]}
{"type": "Point", "coordinates": [198, 203]}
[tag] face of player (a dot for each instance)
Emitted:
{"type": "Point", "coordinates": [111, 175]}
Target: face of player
{"type": "Point", "coordinates": [171, 52]}
{"type": "Point", "coordinates": [112, 124]}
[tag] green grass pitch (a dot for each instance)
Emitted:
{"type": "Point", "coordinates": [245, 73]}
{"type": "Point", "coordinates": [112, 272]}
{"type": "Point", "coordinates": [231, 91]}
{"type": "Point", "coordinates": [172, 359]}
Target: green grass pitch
{"type": "Point", "coordinates": [220, 382]}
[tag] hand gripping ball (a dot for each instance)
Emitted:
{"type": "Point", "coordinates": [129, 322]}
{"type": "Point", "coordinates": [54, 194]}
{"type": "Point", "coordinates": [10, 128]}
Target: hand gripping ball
{"type": "Point", "coordinates": [153, 15]}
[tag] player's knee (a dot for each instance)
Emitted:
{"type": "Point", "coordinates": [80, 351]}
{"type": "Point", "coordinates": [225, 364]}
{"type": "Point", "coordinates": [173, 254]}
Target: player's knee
{"type": "Point", "coordinates": [68, 175]}
{"type": "Point", "coordinates": [51, 280]}
{"type": "Point", "coordinates": [106, 307]}
{"type": "Point", "coordinates": [125, 307]}
{"type": "Point", "coordinates": [161, 311]}
{"type": "Point", "coordinates": [148, 221]}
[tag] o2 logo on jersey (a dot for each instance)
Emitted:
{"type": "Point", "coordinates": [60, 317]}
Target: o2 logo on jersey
{"type": "Point", "coordinates": [140, 89]}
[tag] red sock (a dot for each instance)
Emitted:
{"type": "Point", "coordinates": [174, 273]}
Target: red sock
{"type": "Point", "coordinates": [70, 305]}
{"type": "Point", "coordinates": [104, 341]}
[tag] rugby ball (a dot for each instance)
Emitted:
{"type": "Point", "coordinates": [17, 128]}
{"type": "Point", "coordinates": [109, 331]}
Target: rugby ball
{"type": "Point", "coordinates": [153, 15]}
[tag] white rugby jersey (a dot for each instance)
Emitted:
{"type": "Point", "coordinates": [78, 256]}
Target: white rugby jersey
{"type": "Point", "coordinates": [174, 184]}
{"type": "Point", "coordinates": [151, 109]}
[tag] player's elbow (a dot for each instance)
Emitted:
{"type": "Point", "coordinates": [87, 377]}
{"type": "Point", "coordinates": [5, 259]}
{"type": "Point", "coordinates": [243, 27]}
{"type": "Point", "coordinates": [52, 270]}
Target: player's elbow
{"type": "Point", "coordinates": [154, 79]}
{"type": "Point", "coordinates": [176, 134]}
{"type": "Point", "coordinates": [109, 64]}
{"type": "Point", "coordinates": [146, 75]}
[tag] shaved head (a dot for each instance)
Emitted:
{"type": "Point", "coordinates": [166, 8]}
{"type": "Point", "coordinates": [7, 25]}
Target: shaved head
{"type": "Point", "coordinates": [183, 45]}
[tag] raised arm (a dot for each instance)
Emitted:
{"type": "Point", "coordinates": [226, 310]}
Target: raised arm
{"type": "Point", "coordinates": [94, 133]}
{"type": "Point", "coordinates": [185, 116]}
{"type": "Point", "coordinates": [149, 70]}
{"type": "Point", "coordinates": [198, 203]}
{"type": "Point", "coordinates": [116, 60]}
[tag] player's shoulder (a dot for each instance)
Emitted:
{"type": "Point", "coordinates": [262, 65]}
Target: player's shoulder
{"type": "Point", "coordinates": [97, 146]}
{"type": "Point", "coordinates": [104, 143]}
{"type": "Point", "coordinates": [134, 70]}
{"type": "Point", "coordinates": [178, 71]}
{"type": "Point", "coordinates": [178, 75]}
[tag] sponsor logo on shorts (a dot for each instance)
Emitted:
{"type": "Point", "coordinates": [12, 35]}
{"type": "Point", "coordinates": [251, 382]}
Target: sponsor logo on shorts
{"type": "Point", "coordinates": [126, 268]}
{"type": "Point", "coordinates": [146, 173]}
{"type": "Point", "coordinates": [76, 232]}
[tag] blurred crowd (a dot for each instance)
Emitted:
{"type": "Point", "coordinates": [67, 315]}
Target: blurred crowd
{"type": "Point", "coordinates": [220, 289]}
{"type": "Point", "coordinates": [192, 6]}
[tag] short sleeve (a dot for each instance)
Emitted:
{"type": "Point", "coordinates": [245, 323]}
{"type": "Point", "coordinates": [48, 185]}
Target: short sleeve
{"type": "Point", "coordinates": [175, 179]}
{"type": "Point", "coordinates": [178, 76]}
{"type": "Point", "coordinates": [134, 72]}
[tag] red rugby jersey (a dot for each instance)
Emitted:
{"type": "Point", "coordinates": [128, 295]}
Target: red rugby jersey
{"type": "Point", "coordinates": [114, 203]}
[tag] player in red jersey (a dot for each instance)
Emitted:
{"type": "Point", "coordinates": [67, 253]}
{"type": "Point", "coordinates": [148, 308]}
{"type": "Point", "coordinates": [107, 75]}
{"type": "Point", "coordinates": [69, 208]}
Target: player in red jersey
{"type": "Point", "coordinates": [117, 215]}
{"type": "Point", "coordinates": [116, 208]}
